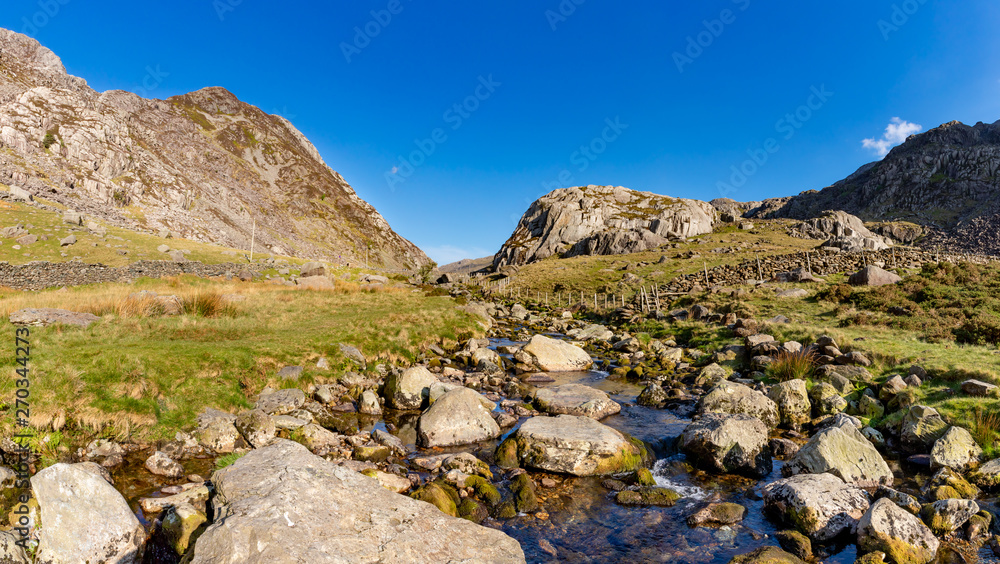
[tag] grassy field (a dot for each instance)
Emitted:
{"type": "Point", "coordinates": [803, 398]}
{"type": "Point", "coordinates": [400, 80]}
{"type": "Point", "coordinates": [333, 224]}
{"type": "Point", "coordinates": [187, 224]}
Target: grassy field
{"type": "Point", "coordinates": [91, 248]}
{"type": "Point", "coordinates": [603, 274]}
{"type": "Point", "coordinates": [142, 375]}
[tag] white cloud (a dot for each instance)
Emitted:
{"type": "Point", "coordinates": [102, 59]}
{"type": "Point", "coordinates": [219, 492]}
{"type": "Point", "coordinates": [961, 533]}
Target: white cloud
{"type": "Point", "coordinates": [445, 254]}
{"type": "Point", "coordinates": [895, 133]}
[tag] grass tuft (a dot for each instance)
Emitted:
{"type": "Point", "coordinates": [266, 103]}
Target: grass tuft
{"type": "Point", "coordinates": [800, 365]}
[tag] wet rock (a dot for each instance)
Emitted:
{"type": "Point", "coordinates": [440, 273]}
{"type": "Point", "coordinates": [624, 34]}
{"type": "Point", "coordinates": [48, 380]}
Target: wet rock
{"type": "Point", "coordinates": [921, 427]}
{"type": "Point", "coordinates": [904, 500]}
{"type": "Point", "coordinates": [783, 448]}
{"type": "Point", "coordinates": [285, 494]}
{"type": "Point", "coordinates": [553, 355]}
{"type": "Point", "coordinates": [732, 398]}
{"type": "Point", "coordinates": [162, 465]}
{"type": "Point", "coordinates": [948, 484]}
{"type": "Point", "coordinates": [767, 555]}
{"type": "Point", "coordinates": [85, 518]}
{"type": "Point", "coordinates": [987, 475]}
{"type": "Point", "coordinates": [408, 389]}
{"type": "Point", "coordinates": [179, 525]}
{"type": "Point", "coordinates": [649, 496]}
{"type": "Point", "coordinates": [820, 506]}
{"type": "Point", "coordinates": [947, 515]}
{"type": "Point", "coordinates": [572, 445]}
{"type": "Point", "coordinates": [724, 443]}
{"type": "Point", "coordinates": [844, 452]}
{"type": "Point", "coordinates": [887, 528]}
{"type": "Point", "coordinates": [653, 396]}
{"type": "Point", "coordinates": [792, 400]}
{"type": "Point", "coordinates": [369, 404]}
{"type": "Point", "coordinates": [718, 514]}
{"type": "Point", "coordinates": [796, 543]}
{"type": "Point", "coordinates": [575, 399]}
{"type": "Point", "coordinates": [195, 495]}
{"type": "Point", "coordinates": [281, 402]}
{"type": "Point", "coordinates": [256, 427]}
{"type": "Point", "coordinates": [956, 449]}
{"type": "Point", "coordinates": [459, 417]}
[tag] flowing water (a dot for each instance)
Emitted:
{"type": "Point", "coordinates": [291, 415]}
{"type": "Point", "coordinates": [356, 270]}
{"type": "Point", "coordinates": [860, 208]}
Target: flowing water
{"type": "Point", "coordinates": [578, 520]}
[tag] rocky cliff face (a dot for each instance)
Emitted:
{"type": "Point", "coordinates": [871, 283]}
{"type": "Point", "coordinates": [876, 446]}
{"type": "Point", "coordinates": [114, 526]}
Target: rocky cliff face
{"type": "Point", "coordinates": [204, 165]}
{"type": "Point", "coordinates": [601, 220]}
{"type": "Point", "coordinates": [947, 179]}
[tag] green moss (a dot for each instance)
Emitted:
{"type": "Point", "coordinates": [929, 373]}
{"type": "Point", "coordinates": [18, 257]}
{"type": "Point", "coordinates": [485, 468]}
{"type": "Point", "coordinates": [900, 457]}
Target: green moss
{"type": "Point", "coordinates": [484, 490]}
{"type": "Point", "coordinates": [473, 511]}
{"type": "Point", "coordinates": [643, 477]}
{"type": "Point", "coordinates": [795, 543]}
{"type": "Point", "coordinates": [524, 493]}
{"type": "Point", "coordinates": [506, 455]}
{"type": "Point", "coordinates": [767, 555]}
{"type": "Point", "coordinates": [506, 510]}
{"type": "Point", "coordinates": [660, 497]}
{"type": "Point", "coordinates": [437, 494]}
{"type": "Point", "coordinates": [628, 497]}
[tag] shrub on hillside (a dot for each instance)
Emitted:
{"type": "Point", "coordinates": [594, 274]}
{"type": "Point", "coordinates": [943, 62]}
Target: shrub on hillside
{"type": "Point", "coordinates": [838, 293]}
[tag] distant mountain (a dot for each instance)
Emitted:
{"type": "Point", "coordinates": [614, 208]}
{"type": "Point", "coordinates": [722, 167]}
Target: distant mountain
{"type": "Point", "coordinates": [601, 220]}
{"type": "Point", "coordinates": [204, 165]}
{"type": "Point", "coordinates": [946, 179]}
{"type": "Point", "coordinates": [466, 266]}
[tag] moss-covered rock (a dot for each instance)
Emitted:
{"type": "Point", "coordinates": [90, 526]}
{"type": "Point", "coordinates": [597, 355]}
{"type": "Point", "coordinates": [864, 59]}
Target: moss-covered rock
{"type": "Point", "coordinates": [374, 453]}
{"type": "Point", "coordinates": [767, 555]}
{"type": "Point", "coordinates": [438, 495]}
{"type": "Point", "coordinates": [505, 455]}
{"type": "Point", "coordinates": [505, 510]}
{"type": "Point", "coordinates": [871, 558]}
{"type": "Point", "coordinates": [795, 543]}
{"type": "Point", "coordinates": [642, 477]}
{"type": "Point", "coordinates": [483, 489]}
{"type": "Point", "coordinates": [572, 445]}
{"type": "Point", "coordinates": [180, 525]}
{"type": "Point", "coordinates": [718, 514]}
{"type": "Point", "coordinates": [523, 489]}
{"type": "Point", "coordinates": [472, 510]}
{"type": "Point", "coordinates": [628, 497]}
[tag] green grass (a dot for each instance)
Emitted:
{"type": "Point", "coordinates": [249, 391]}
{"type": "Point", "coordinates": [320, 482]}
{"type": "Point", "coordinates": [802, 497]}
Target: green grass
{"type": "Point", "coordinates": [147, 377]}
{"type": "Point", "coordinates": [228, 459]}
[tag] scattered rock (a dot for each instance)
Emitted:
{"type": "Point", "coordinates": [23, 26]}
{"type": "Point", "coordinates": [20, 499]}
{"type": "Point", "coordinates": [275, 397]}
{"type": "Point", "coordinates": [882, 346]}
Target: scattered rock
{"type": "Point", "coordinates": [887, 528]}
{"type": "Point", "coordinates": [256, 427]}
{"type": "Point", "coordinates": [459, 417]}
{"type": "Point", "coordinates": [956, 449]}
{"type": "Point", "coordinates": [734, 444]}
{"type": "Point", "coordinates": [820, 506]}
{"type": "Point", "coordinates": [162, 465]}
{"type": "Point", "coordinates": [947, 515]}
{"type": "Point", "coordinates": [281, 402]}
{"type": "Point", "coordinates": [572, 445]}
{"type": "Point", "coordinates": [844, 452]}
{"type": "Point", "coordinates": [732, 398]}
{"type": "Point", "coordinates": [553, 355]}
{"type": "Point", "coordinates": [921, 427]}
{"type": "Point", "coordinates": [575, 399]}
{"type": "Point", "coordinates": [408, 389]}
{"type": "Point", "coordinates": [978, 388]}
{"type": "Point", "coordinates": [873, 276]}
{"type": "Point", "coordinates": [48, 316]}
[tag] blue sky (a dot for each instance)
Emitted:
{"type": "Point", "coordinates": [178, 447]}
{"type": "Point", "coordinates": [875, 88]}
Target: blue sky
{"type": "Point", "coordinates": [743, 98]}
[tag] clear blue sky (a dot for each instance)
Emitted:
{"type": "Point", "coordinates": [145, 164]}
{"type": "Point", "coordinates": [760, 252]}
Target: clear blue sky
{"type": "Point", "coordinates": [550, 76]}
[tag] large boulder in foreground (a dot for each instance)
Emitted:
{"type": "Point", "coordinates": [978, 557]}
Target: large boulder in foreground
{"type": "Point", "coordinates": [731, 397]}
{"type": "Point", "coordinates": [284, 505]}
{"type": "Point", "coordinates": [888, 528]}
{"type": "Point", "coordinates": [553, 355]}
{"type": "Point", "coordinates": [575, 399]}
{"type": "Point", "coordinates": [733, 444]}
{"type": "Point", "coordinates": [458, 417]}
{"type": "Point", "coordinates": [409, 389]}
{"type": "Point", "coordinates": [84, 519]}
{"type": "Point", "coordinates": [572, 445]}
{"type": "Point", "coordinates": [844, 452]}
{"type": "Point", "coordinates": [820, 506]}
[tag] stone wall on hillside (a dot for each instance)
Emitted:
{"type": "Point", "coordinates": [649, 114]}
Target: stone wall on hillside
{"type": "Point", "coordinates": [40, 275]}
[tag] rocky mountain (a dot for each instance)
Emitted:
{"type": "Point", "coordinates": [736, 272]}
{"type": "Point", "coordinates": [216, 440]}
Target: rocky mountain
{"type": "Point", "coordinates": [601, 220]}
{"type": "Point", "coordinates": [946, 179]}
{"type": "Point", "coordinates": [466, 266]}
{"type": "Point", "coordinates": [204, 165]}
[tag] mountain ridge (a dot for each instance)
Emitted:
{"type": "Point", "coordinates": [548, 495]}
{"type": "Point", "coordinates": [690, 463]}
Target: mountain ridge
{"type": "Point", "coordinates": [204, 165]}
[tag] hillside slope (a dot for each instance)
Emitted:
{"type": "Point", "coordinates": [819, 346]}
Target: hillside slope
{"type": "Point", "coordinates": [204, 165]}
{"type": "Point", "coordinates": [947, 179]}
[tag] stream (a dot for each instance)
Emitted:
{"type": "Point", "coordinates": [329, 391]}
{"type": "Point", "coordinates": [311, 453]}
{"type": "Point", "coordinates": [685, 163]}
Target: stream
{"type": "Point", "coordinates": [578, 519]}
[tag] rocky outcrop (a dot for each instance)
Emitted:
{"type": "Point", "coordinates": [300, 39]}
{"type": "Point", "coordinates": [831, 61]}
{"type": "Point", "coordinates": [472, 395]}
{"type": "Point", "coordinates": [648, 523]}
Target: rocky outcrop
{"type": "Point", "coordinates": [204, 165]}
{"type": "Point", "coordinates": [943, 180]}
{"type": "Point", "coordinates": [842, 230]}
{"type": "Point", "coordinates": [572, 445]}
{"type": "Point", "coordinates": [601, 220]}
{"type": "Point", "coordinates": [283, 504]}
{"type": "Point", "coordinates": [84, 519]}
